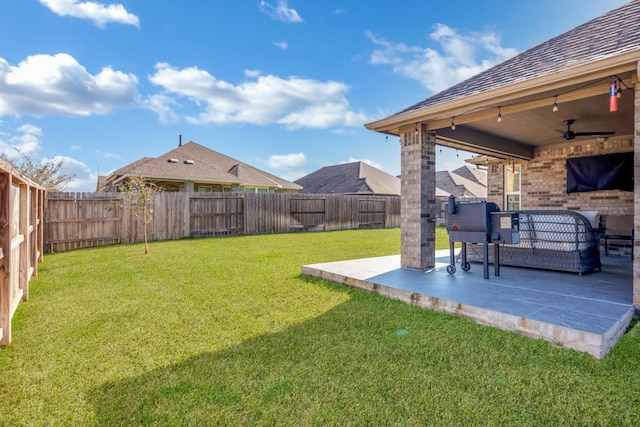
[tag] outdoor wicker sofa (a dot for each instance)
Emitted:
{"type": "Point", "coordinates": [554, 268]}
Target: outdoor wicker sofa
{"type": "Point", "coordinates": [551, 240]}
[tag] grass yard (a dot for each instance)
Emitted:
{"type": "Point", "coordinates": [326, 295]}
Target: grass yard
{"type": "Point", "coordinates": [226, 331]}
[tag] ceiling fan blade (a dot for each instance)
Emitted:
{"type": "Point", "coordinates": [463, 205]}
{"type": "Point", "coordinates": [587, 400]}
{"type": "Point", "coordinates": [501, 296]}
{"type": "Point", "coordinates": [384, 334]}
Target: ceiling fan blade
{"type": "Point", "coordinates": [593, 133]}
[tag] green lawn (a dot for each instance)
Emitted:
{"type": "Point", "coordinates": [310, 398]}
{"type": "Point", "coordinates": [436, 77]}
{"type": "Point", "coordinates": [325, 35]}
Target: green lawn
{"type": "Point", "coordinates": [226, 331]}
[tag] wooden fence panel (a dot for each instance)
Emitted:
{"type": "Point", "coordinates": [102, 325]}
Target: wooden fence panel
{"type": "Point", "coordinates": [307, 214]}
{"type": "Point", "coordinates": [81, 220]}
{"type": "Point", "coordinates": [216, 214]}
{"type": "Point", "coordinates": [373, 213]}
{"type": "Point", "coordinates": [77, 220]}
{"type": "Point", "coordinates": [21, 201]}
{"type": "Point", "coordinates": [170, 217]}
{"type": "Point", "coordinates": [393, 212]}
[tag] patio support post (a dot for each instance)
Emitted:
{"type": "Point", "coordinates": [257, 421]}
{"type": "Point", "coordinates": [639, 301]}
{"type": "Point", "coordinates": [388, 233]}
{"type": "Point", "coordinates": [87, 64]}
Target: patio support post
{"type": "Point", "coordinates": [636, 195]}
{"type": "Point", "coordinates": [418, 199]}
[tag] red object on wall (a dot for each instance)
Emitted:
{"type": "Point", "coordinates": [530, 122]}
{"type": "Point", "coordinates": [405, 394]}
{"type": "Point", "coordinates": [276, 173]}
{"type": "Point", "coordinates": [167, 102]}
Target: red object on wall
{"type": "Point", "coordinates": [613, 96]}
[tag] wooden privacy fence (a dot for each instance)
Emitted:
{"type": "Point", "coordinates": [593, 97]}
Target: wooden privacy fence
{"type": "Point", "coordinates": [80, 220]}
{"type": "Point", "coordinates": [21, 241]}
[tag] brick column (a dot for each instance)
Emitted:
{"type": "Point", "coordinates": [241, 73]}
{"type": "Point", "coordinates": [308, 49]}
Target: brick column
{"type": "Point", "coordinates": [636, 197]}
{"type": "Point", "coordinates": [418, 200]}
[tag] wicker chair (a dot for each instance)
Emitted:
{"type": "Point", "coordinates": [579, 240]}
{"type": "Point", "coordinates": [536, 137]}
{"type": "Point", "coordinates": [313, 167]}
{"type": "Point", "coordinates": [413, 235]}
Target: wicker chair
{"type": "Point", "coordinates": [551, 240]}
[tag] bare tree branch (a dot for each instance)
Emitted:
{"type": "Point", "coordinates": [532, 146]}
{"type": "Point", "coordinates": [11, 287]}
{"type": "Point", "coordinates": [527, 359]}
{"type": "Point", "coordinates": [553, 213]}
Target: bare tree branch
{"type": "Point", "coordinates": [47, 173]}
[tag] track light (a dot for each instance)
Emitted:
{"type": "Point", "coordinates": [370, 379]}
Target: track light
{"type": "Point", "coordinates": [499, 115]}
{"type": "Point", "coordinates": [555, 104]}
{"type": "Point", "coordinates": [453, 124]}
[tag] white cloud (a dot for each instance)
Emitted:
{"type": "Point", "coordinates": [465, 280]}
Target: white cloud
{"type": "Point", "coordinates": [107, 154]}
{"type": "Point", "coordinates": [27, 142]}
{"type": "Point", "coordinates": [281, 12]}
{"type": "Point", "coordinates": [458, 57]}
{"type": "Point", "coordinates": [282, 45]}
{"type": "Point", "coordinates": [252, 73]}
{"type": "Point", "coordinates": [84, 178]}
{"type": "Point", "coordinates": [57, 84]}
{"type": "Point", "coordinates": [287, 161]}
{"type": "Point", "coordinates": [163, 105]}
{"type": "Point", "coordinates": [99, 13]}
{"type": "Point", "coordinates": [367, 161]}
{"type": "Point", "coordinates": [261, 100]}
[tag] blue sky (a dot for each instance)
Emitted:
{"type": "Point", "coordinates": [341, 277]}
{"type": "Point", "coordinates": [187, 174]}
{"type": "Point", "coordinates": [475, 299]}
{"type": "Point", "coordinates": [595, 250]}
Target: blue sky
{"type": "Point", "coordinates": [284, 85]}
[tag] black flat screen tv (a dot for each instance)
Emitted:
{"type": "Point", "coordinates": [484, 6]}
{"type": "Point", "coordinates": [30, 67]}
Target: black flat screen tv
{"type": "Point", "coordinates": [606, 172]}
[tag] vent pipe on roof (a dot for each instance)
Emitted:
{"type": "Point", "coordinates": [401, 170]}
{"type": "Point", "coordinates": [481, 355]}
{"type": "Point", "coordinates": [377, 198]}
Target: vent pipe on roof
{"type": "Point", "coordinates": [180, 141]}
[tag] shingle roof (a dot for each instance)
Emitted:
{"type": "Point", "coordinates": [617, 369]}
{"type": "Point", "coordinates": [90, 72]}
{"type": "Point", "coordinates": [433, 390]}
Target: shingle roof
{"type": "Point", "coordinates": [350, 178]}
{"type": "Point", "coordinates": [459, 186]}
{"type": "Point", "coordinates": [614, 33]}
{"type": "Point", "coordinates": [195, 162]}
{"type": "Point", "coordinates": [472, 174]}
{"type": "Point", "coordinates": [359, 177]}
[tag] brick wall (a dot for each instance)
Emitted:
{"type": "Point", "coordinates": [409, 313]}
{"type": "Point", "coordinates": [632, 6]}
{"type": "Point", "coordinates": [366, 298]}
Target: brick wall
{"type": "Point", "coordinates": [544, 183]}
{"type": "Point", "coordinates": [418, 201]}
{"type": "Point", "coordinates": [636, 260]}
{"type": "Point", "coordinates": [544, 180]}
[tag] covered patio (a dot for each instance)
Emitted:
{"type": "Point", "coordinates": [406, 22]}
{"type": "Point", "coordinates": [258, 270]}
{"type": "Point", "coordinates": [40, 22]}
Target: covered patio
{"type": "Point", "coordinates": [572, 99]}
{"type": "Point", "coordinates": [587, 313]}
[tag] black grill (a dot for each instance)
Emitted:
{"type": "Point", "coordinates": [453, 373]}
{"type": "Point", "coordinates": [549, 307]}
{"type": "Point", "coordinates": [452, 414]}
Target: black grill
{"type": "Point", "coordinates": [479, 223]}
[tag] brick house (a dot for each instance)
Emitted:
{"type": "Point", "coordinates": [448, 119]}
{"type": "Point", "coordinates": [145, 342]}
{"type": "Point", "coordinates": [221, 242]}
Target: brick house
{"type": "Point", "coordinates": [574, 96]}
{"type": "Point", "coordinates": [195, 168]}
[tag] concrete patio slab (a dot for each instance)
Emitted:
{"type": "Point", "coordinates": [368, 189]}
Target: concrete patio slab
{"type": "Point", "coordinates": [587, 313]}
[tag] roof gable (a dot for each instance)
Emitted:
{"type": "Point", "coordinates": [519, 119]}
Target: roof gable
{"type": "Point", "coordinates": [194, 162]}
{"type": "Point", "coordinates": [350, 178]}
{"type": "Point", "coordinates": [472, 174]}
{"type": "Point", "coordinates": [458, 185]}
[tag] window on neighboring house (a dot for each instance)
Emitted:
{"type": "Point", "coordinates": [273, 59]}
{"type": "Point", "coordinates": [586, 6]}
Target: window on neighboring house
{"type": "Point", "coordinates": [204, 189]}
{"type": "Point", "coordinates": [255, 190]}
{"type": "Point", "coordinates": [512, 187]}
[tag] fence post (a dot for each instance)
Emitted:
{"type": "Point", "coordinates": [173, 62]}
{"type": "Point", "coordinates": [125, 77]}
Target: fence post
{"type": "Point", "coordinates": [5, 259]}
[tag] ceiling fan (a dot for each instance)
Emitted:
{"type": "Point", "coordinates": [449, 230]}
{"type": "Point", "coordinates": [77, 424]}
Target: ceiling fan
{"type": "Point", "coordinates": [569, 134]}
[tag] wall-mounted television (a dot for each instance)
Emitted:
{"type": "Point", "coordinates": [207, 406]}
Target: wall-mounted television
{"type": "Point", "coordinates": [606, 172]}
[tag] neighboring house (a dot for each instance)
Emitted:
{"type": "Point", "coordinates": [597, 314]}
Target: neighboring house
{"type": "Point", "coordinates": [350, 178]}
{"type": "Point", "coordinates": [195, 168]}
{"type": "Point", "coordinates": [463, 182]}
{"type": "Point", "coordinates": [532, 116]}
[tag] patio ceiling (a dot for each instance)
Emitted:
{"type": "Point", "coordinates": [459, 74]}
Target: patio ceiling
{"type": "Point", "coordinates": [528, 120]}
{"type": "Point", "coordinates": [519, 133]}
